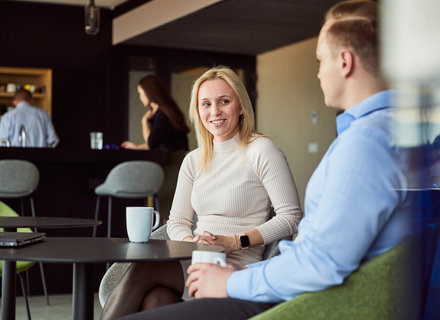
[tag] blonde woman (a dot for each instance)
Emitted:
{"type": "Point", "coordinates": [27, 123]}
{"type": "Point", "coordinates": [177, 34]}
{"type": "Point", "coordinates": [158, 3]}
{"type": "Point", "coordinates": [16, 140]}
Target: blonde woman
{"type": "Point", "coordinates": [231, 181]}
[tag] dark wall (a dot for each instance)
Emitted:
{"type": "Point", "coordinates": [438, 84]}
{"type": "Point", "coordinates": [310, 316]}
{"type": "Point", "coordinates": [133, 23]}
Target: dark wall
{"type": "Point", "coordinates": [90, 77]}
{"type": "Point", "coordinates": [52, 36]}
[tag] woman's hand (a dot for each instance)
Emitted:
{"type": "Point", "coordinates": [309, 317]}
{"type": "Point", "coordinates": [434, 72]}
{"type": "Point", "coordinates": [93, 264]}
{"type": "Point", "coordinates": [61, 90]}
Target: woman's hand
{"type": "Point", "coordinates": [227, 242]}
{"type": "Point", "coordinates": [148, 115]}
{"type": "Point", "coordinates": [131, 145]}
{"type": "Point", "coordinates": [128, 145]}
{"type": "Point", "coordinates": [189, 239]}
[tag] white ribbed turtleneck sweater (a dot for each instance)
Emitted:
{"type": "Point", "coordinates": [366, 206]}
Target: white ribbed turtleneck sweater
{"type": "Point", "coordinates": [235, 195]}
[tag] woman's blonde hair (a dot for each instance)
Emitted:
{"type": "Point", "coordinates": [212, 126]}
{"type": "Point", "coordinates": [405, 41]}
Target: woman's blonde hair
{"type": "Point", "coordinates": [246, 120]}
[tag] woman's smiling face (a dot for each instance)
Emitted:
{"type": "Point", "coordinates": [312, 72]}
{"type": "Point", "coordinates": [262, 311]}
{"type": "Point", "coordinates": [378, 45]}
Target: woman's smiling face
{"type": "Point", "coordinates": [219, 109]}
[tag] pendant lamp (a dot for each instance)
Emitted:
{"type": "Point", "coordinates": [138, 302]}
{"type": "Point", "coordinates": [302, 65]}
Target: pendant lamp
{"type": "Point", "coordinates": [92, 18]}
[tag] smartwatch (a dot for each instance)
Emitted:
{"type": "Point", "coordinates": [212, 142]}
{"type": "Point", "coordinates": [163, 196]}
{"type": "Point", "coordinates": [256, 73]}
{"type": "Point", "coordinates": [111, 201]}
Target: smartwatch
{"type": "Point", "coordinates": [244, 241]}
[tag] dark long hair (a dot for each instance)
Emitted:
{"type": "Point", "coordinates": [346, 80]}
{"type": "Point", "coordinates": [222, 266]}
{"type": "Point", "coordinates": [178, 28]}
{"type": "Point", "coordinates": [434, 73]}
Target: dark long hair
{"type": "Point", "coordinates": [158, 93]}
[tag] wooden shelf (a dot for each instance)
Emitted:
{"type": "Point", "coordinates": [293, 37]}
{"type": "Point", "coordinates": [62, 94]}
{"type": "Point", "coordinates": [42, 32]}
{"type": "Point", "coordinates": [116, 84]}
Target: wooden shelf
{"type": "Point", "coordinates": [40, 78]}
{"type": "Point", "coordinates": [11, 95]}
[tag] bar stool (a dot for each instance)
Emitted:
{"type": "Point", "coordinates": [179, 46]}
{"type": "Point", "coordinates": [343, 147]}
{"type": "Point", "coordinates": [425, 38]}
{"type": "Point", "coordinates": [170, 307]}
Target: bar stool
{"type": "Point", "coordinates": [129, 180]}
{"type": "Point", "coordinates": [19, 179]}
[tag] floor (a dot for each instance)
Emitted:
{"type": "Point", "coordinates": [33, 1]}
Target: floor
{"type": "Point", "coordinates": [60, 308]}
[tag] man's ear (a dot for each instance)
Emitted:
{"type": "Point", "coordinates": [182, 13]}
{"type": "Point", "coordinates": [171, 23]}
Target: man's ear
{"type": "Point", "coordinates": [346, 62]}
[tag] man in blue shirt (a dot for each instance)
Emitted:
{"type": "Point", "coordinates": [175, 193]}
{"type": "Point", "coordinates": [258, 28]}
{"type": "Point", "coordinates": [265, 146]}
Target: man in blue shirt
{"type": "Point", "coordinates": [355, 204]}
{"type": "Point", "coordinates": [38, 128]}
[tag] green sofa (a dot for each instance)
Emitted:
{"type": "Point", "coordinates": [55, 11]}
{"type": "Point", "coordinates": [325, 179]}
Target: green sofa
{"type": "Point", "coordinates": [386, 287]}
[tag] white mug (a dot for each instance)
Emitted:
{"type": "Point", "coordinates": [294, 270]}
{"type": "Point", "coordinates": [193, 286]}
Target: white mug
{"type": "Point", "coordinates": [140, 223]}
{"type": "Point", "coordinates": [213, 257]}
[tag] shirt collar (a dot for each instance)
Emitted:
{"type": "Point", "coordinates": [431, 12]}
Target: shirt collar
{"type": "Point", "coordinates": [24, 103]}
{"type": "Point", "coordinates": [373, 103]}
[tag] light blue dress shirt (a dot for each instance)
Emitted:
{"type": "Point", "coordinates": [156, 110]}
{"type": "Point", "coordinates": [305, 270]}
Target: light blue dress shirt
{"type": "Point", "coordinates": [355, 209]}
{"type": "Point", "coordinates": [38, 127]}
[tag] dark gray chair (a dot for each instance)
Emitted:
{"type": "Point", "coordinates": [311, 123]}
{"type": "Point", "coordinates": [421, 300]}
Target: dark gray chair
{"type": "Point", "coordinates": [19, 179]}
{"type": "Point", "coordinates": [130, 180]}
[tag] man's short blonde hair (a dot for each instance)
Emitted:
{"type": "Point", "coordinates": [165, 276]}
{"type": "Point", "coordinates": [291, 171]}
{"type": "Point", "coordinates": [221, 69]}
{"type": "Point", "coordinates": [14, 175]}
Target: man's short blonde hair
{"type": "Point", "coordinates": [356, 26]}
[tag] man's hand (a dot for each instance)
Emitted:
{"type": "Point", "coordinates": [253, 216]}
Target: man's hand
{"type": "Point", "coordinates": [227, 242]}
{"type": "Point", "coordinates": [207, 280]}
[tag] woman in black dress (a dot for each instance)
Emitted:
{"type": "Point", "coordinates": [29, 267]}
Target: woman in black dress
{"type": "Point", "coordinates": [163, 124]}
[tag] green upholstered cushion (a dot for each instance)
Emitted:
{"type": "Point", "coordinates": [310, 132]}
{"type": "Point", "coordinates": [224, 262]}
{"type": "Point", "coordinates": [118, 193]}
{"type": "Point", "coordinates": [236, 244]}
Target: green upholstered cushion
{"type": "Point", "coordinates": [379, 289]}
{"type": "Point", "coordinates": [21, 266]}
{"type": "Point", "coordinates": [6, 211]}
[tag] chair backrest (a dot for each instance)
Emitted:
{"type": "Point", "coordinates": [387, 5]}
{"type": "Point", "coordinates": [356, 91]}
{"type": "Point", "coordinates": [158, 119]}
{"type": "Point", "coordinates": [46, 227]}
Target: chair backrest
{"type": "Point", "coordinates": [134, 179]}
{"type": "Point", "coordinates": [18, 178]}
{"type": "Point", "coordinates": [386, 287]}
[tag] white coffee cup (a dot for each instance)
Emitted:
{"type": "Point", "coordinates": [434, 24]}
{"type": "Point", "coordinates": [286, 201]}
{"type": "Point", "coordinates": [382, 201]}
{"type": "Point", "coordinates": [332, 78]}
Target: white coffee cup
{"type": "Point", "coordinates": [213, 257]}
{"type": "Point", "coordinates": [140, 223]}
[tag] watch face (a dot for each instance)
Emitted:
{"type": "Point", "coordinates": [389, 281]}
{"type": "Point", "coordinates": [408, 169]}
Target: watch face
{"type": "Point", "coordinates": [244, 240]}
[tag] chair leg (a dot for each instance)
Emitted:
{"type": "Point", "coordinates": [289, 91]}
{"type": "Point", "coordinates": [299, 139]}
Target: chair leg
{"type": "Point", "coordinates": [156, 202]}
{"type": "Point", "coordinates": [43, 280]}
{"type": "Point", "coordinates": [109, 217]}
{"type": "Point", "coordinates": [109, 225]}
{"type": "Point", "coordinates": [33, 210]}
{"type": "Point", "coordinates": [28, 289]}
{"type": "Point", "coordinates": [22, 206]}
{"type": "Point", "coordinates": [25, 296]}
{"type": "Point", "coordinates": [96, 215]}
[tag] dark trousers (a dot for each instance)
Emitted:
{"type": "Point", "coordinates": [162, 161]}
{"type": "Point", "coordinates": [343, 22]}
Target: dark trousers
{"type": "Point", "coordinates": [210, 309]}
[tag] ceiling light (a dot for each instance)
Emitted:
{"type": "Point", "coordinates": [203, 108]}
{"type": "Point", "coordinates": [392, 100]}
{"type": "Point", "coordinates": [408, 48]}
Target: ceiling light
{"type": "Point", "coordinates": [92, 18]}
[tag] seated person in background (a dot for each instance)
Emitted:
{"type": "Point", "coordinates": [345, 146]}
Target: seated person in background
{"type": "Point", "coordinates": [355, 206]}
{"type": "Point", "coordinates": [231, 180]}
{"type": "Point", "coordinates": [38, 128]}
{"type": "Point", "coordinates": [163, 124]}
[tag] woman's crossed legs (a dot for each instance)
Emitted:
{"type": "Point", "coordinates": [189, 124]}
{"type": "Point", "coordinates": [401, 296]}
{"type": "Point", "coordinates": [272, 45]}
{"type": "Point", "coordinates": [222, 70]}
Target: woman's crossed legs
{"type": "Point", "coordinates": [144, 286]}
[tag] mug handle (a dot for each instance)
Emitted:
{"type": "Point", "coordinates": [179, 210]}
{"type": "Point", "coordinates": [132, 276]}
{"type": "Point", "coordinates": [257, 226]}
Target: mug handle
{"type": "Point", "coordinates": [157, 218]}
{"type": "Point", "coordinates": [220, 262]}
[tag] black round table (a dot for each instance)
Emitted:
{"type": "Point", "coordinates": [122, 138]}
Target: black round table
{"type": "Point", "coordinates": [11, 224]}
{"type": "Point", "coordinates": [83, 252]}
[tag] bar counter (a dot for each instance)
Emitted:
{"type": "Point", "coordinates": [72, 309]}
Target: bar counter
{"type": "Point", "coordinates": [64, 155]}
